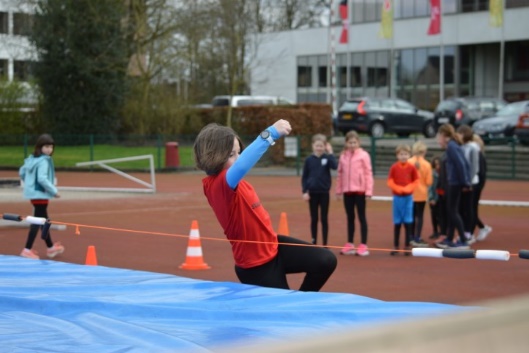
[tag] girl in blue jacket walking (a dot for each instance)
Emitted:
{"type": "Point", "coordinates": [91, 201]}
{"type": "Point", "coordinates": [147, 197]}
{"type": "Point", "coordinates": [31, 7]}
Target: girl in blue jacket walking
{"type": "Point", "coordinates": [38, 176]}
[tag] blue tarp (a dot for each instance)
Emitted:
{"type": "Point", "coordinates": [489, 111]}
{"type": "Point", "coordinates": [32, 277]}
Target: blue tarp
{"type": "Point", "coordinates": [50, 306]}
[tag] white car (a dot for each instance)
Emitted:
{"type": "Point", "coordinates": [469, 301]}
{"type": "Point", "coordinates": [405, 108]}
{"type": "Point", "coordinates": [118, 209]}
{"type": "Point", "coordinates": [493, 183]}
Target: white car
{"type": "Point", "coordinates": [242, 101]}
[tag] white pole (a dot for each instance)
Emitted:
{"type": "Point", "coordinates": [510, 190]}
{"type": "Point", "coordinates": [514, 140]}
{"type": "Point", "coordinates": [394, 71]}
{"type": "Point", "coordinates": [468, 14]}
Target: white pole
{"type": "Point", "coordinates": [332, 63]}
{"type": "Point", "coordinates": [441, 57]}
{"type": "Point", "coordinates": [502, 52]}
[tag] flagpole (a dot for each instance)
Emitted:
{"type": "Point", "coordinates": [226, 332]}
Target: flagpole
{"type": "Point", "coordinates": [502, 51]}
{"type": "Point", "coordinates": [349, 54]}
{"type": "Point", "coordinates": [331, 92]}
{"type": "Point", "coordinates": [441, 56]}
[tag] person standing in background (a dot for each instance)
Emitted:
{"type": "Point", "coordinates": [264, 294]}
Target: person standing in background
{"type": "Point", "coordinates": [484, 230]}
{"type": "Point", "coordinates": [316, 184]}
{"type": "Point", "coordinates": [420, 194]}
{"type": "Point", "coordinates": [402, 180]}
{"type": "Point", "coordinates": [435, 200]}
{"type": "Point", "coordinates": [468, 205]}
{"type": "Point", "coordinates": [354, 183]}
{"type": "Point", "coordinates": [457, 181]}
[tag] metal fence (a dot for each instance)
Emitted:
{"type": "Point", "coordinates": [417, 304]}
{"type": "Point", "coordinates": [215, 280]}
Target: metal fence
{"type": "Point", "coordinates": [506, 158]}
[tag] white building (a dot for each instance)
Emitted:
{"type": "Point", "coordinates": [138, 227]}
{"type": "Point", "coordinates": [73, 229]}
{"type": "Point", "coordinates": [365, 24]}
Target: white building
{"type": "Point", "coordinates": [16, 53]}
{"type": "Point", "coordinates": [410, 65]}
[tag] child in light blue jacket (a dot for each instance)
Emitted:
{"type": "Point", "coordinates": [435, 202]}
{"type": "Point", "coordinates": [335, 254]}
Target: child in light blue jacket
{"type": "Point", "coordinates": [38, 176]}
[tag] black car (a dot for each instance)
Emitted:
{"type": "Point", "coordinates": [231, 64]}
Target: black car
{"type": "Point", "coordinates": [503, 124]}
{"type": "Point", "coordinates": [377, 116]}
{"type": "Point", "coordinates": [466, 110]}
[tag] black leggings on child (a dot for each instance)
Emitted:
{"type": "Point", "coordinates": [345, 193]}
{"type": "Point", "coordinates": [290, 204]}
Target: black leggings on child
{"type": "Point", "coordinates": [318, 263]}
{"type": "Point", "coordinates": [319, 201]}
{"type": "Point", "coordinates": [39, 210]}
{"type": "Point", "coordinates": [350, 202]}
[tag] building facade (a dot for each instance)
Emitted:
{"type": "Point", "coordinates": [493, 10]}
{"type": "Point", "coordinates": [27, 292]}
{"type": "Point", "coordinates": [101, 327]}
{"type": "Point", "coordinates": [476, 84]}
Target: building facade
{"type": "Point", "coordinates": [16, 53]}
{"type": "Point", "coordinates": [468, 57]}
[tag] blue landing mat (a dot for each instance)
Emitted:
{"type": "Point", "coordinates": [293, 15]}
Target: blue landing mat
{"type": "Point", "coordinates": [50, 306]}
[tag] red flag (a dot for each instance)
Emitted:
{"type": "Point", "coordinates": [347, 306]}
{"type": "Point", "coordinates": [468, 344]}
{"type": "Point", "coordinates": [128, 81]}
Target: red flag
{"type": "Point", "coordinates": [344, 15]}
{"type": "Point", "coordinates": [435, 17]}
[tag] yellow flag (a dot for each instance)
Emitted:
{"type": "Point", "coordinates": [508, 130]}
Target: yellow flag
{"type": "Point", "coordinates": [386, 24]}
{"type": "Point", "coordinates": [496, 13]}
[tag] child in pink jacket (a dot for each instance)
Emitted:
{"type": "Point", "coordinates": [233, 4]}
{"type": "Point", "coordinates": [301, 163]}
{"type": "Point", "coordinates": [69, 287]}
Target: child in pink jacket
{"type": "Point", "coordinates": [355, 183]}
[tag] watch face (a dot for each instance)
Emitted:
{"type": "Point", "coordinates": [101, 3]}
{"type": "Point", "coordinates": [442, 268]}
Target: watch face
{"type": "Point", "coordinates": [265, 134]}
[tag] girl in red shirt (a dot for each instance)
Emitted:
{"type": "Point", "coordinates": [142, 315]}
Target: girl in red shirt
{"type": "Point", "coordinates": [261, 256]}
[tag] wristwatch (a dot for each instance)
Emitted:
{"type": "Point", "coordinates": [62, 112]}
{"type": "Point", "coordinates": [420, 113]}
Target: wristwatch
{"type": "Point", "coordinates": [266, 135]}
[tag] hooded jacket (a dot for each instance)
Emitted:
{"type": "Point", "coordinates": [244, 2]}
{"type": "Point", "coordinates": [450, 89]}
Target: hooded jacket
{"type": "Point", "coordinates": [355, 173]}
{"type": "Point", "coordinates": [38, 175]}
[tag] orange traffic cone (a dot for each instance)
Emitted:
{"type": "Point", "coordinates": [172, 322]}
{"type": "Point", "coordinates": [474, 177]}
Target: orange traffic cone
{"type": "Point", "coordinates": [91, 258]}
{"type": "Point", "coordinates": [194, 259]}
{"type": "Point", "coordinates": [283, 225]}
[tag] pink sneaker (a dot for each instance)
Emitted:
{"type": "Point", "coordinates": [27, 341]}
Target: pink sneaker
{"type": "Point", "coordinates": [362, 250]}
{"type": "Point", "coordinates": [30, 254]}
{"type": "Point", "coordinates": [348, 249]}
{"type": "Point", "coordinates": [55, 250]}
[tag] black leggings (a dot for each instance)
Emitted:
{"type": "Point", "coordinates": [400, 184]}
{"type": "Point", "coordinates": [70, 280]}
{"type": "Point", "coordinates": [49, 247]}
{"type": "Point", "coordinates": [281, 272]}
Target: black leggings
{"type": "Point", "coordinates": [38, 211]}
{"type": "Point", "coordinates": [466, 208]}
{"type": "Point", "coordinates": [438, 214]}
{"type": "Point", "coordinates": [350, 202]}
{"type": "Point", "coordinates": [418, 217]}
{"type": "Point", "coordinates": [453, 217]}
{"type": "Point", "coordinates": [319, 201]}
{"type": "Point", "coordinates": [396, 234]}
{"type": "Point", "coordinates": [318, 263]}
{"type": "Point", "coordinates": [477, 196]}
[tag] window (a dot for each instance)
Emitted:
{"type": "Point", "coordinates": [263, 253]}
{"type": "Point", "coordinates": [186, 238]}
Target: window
{"type": "Point", "coordinates": [322, 70]}
{"type": "Point", "coordinates": [3, 69]}
{"type": "Point", "coordinates": [4, 22]}
{"type": "Point", "coordinates": [474, 5]}
{"type": "Point", "coordinates": [22, 24]}
{"type": "Point", "coordinates": [322, 76]}
{"type": "Point", "coordinates": [366, 10]}
{"type": "Point", "coordinates": [304, 76]}
{"type": "Point", "coordinates": [516, 3]}
{"type": "Point", "coordinates": [23, 70]}
{"type": "Point", "coordinates": [356, 69]}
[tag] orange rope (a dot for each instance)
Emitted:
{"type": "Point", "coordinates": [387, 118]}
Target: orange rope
{"type": "Point", "coordinates": [78, 226]}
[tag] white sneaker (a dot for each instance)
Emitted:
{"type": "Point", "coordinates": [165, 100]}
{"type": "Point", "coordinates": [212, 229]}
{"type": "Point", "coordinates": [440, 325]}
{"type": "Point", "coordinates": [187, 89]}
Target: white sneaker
{"type": "Point", "coordinates": [471, 239]}
{"type": "Point", "coordinates": [483, 233]}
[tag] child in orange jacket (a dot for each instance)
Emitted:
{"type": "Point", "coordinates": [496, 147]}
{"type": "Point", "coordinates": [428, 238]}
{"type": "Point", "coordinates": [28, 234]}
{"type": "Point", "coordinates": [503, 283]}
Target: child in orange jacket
{"type": "Point", "coordinates": [402, 180]}
{"type": "Point", "coordinates": [420, 194]}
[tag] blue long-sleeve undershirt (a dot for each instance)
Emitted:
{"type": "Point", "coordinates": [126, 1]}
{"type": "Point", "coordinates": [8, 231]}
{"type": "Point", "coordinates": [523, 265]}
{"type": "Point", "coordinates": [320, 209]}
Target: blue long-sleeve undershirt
{"type": "Point", "coordinates": [248, 158]}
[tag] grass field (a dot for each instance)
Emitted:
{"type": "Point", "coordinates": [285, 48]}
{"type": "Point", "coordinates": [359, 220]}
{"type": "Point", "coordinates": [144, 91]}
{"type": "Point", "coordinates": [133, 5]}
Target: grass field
{"type": "Point", "coordinates": [68, 156]}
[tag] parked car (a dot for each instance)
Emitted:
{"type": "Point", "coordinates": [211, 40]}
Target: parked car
{"type": "Point", "coordinates": [242, 101]}
{"type": "Point", "coordinates": [377, 116]}
{"type": "Point", "coordinates": [522, 129]}
{"type": "Point", "coordinates": [465, 110]}
{"type": "Point", "coordinates": [503, 123]}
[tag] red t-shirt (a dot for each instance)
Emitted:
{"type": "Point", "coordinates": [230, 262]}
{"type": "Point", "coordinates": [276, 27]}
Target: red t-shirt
{"type": "Point", "coordinates": [243, 217]}
{"type": "Point", "coordinates": [403, 174]}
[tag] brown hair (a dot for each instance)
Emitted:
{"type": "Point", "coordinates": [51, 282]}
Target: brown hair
{"type": "Point", "coordinates": [447, 130]}
{"type": "Point", "coordinates": [435, 161]}
{"type": "Point", "coordinates": [351, 135]}
{"type": "Point", "coordinates": [43, 140]}
{"type": "Point", "coordinates": [213, 147]}
{"type": "Point", "coordinates": [319, 137]}
{"type": "Point", "coordinates": [402, 147]}
{"type": "Point", "coordinates": [466, 133]}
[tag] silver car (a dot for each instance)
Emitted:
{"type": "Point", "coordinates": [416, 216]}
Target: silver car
{"type": "Point", "coordinates": [503, 123]}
